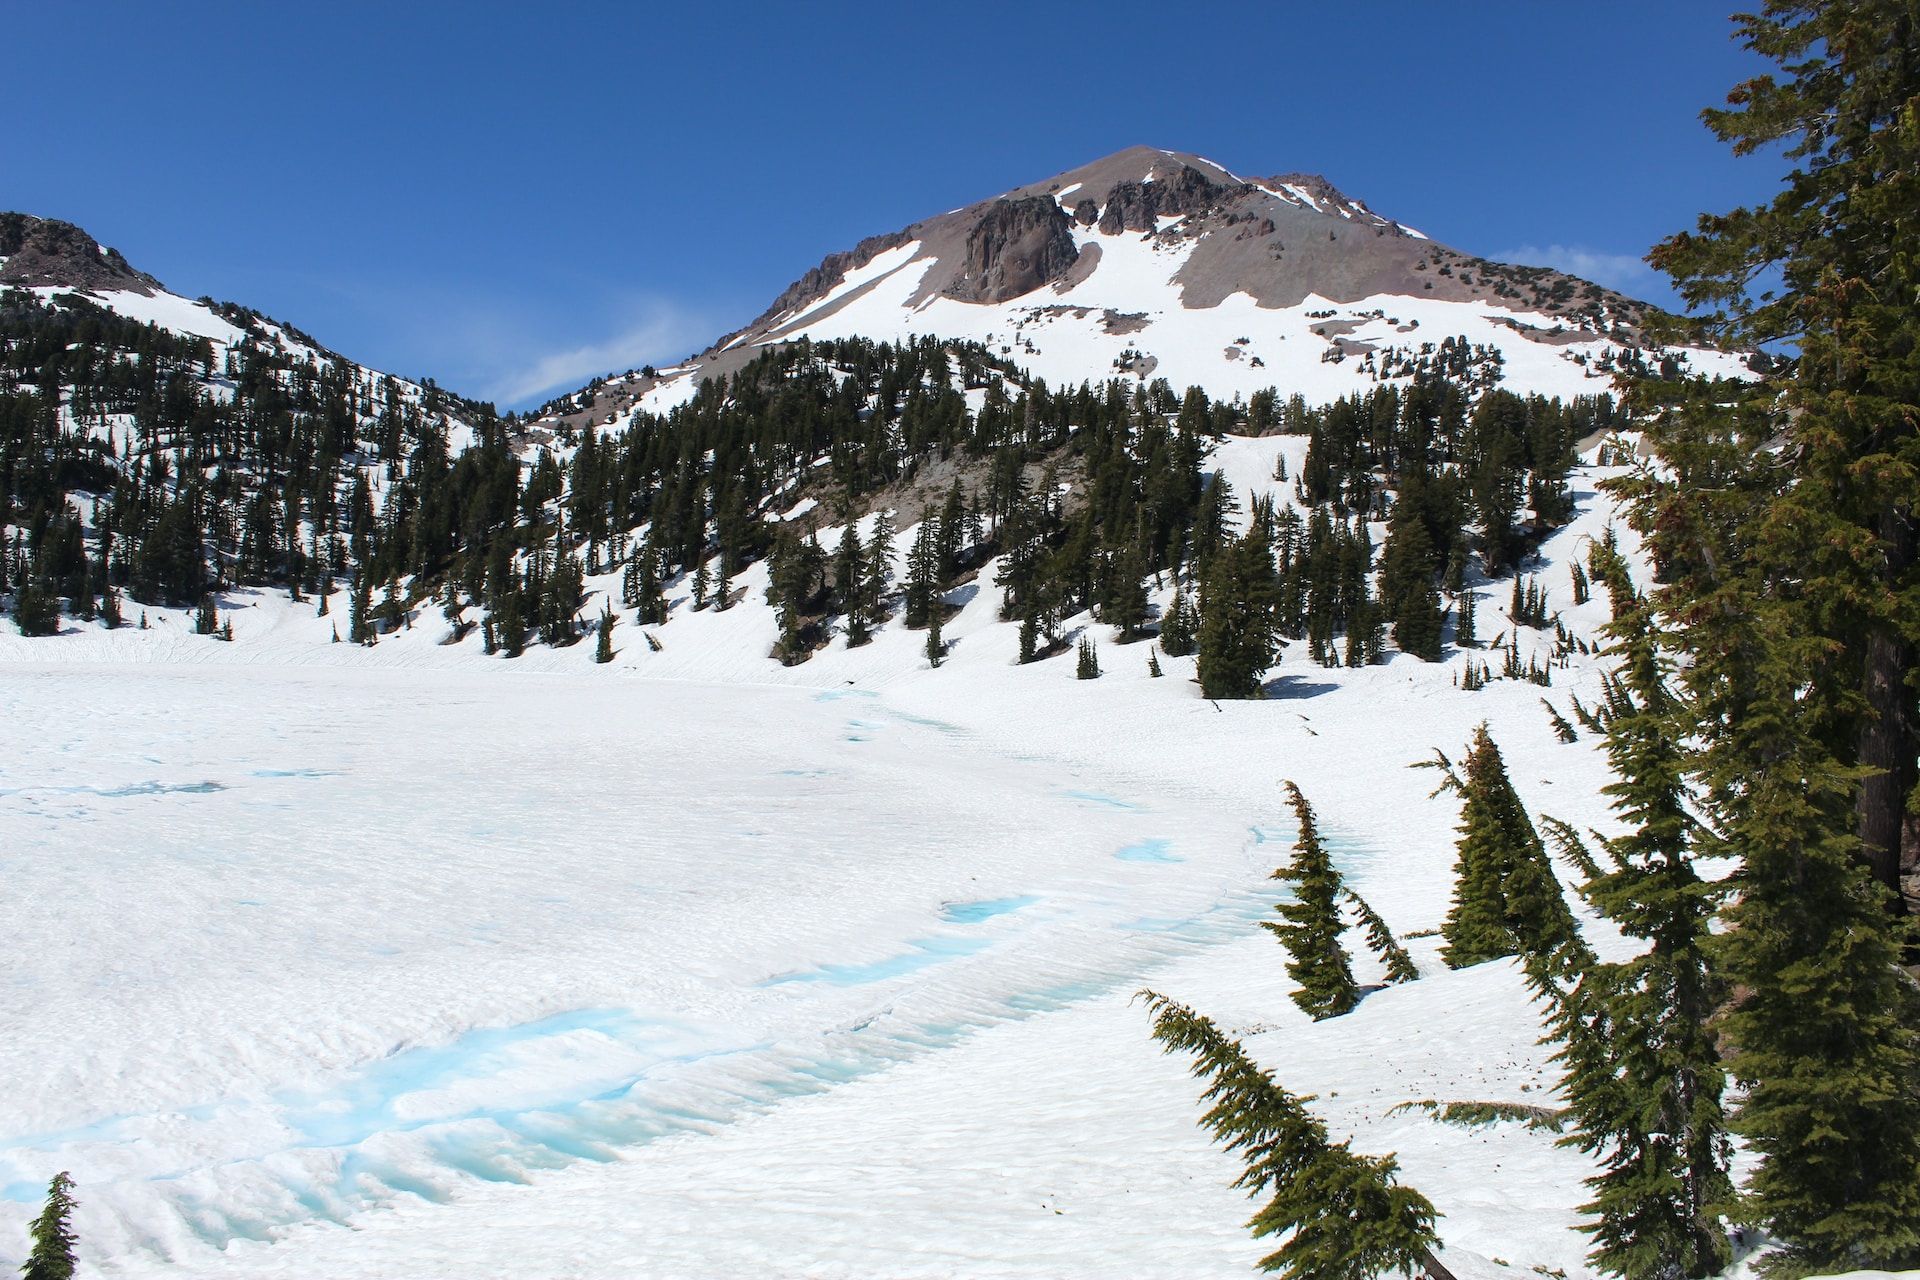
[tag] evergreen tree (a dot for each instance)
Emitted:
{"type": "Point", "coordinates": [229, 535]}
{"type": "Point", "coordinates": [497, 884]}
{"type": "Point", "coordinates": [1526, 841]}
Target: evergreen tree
{"type": "Point", "coordinates": [1782, 523]}
{"type": "Point", "coordinates": [603, 647]}
{"type": "Point", "coordinates": [1464, 636]}
{"type": "Point", "coordinates": [1088, 667]}
{"type": "Point", "coordinates": [1312, 925]}
{"type": "Point", "coordinates": [1506, 900]}
{"type": "Point", "coordinates": [937, 647]}
{"type": "Point", "coordinates": [1643, 1073]}
{"type": "Point", "coordinates": [35, 610]}
{"type": "Point", "coordinates": [1345, 1215]}
{"type": "Point", "coordinates": [1236, 642]}
{"type": "Point", "coordinates": [1176, 627]}
{"type": "Point", "coordinates": [51, 1257]}
{"type": "Point", "coordinates": [1380, 940]}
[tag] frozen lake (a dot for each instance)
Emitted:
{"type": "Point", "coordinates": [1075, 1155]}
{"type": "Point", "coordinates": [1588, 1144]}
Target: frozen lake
{"type": "Point", "coordinates": [290, 946]}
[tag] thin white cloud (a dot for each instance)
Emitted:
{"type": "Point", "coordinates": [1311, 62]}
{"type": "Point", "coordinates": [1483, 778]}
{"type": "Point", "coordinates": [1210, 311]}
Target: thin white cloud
{"type": "Point", "coordinates": [1622, 271]}
{"type": "Point", "coordinates": [658, 334]}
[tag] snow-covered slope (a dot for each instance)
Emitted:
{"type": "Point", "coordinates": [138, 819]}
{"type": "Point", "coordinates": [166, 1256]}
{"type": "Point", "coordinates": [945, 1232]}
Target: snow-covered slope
{"type": "Point", "coordinates": [1157, 264]}
{"type": "Point", "coordinates": [61, 264]}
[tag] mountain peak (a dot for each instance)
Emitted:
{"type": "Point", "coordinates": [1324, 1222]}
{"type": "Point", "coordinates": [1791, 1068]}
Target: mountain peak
{"type": "Point", "coordinates": [37, 252]}
{"type": "Point", "coordinates": [1156, 263]}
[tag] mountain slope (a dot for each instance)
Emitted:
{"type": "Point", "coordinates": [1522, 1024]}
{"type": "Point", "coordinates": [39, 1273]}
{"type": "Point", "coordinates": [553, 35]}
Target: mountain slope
{"type": "Point", "coordinates": [1159, 264]}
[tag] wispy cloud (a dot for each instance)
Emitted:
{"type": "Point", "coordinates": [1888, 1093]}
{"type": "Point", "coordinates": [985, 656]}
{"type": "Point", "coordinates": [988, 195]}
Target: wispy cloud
{"type": "Point", "coordinates": [1622, 271]}
{"type": "Point", "coordinates": [653, 333]}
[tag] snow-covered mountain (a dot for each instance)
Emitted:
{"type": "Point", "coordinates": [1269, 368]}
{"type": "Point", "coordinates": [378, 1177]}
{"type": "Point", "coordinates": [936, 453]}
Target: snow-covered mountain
{"type": "Point", "coordinates": [1161, 264]}
{"type": "Point", "coordinates": [61, 264]}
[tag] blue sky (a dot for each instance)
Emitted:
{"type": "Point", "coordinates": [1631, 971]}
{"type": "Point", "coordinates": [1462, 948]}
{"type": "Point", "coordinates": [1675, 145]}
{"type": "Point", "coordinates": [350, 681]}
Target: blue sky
{"type": "Point", "coordinates": [511, 198]}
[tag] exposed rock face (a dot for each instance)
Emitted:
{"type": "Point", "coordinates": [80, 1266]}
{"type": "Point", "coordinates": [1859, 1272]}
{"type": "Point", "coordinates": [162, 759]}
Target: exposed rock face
{"type": "Point", "coordinates": [1014, 248]}
{"type": "Point", "coordinates": [1133, 206]}
{"type": "Point", "coordinates": [44, 251]}
{"type": "Point", "coordinates": [832, 270]}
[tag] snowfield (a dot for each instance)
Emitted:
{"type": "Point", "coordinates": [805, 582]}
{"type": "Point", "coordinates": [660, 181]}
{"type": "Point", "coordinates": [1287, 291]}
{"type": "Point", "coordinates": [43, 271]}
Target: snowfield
{"type": "Point", "coordinates": [336, 962]}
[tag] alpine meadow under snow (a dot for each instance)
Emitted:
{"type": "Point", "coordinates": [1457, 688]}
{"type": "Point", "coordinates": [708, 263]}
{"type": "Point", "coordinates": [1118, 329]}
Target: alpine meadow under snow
{"type": "Point", "coordinates": [1160, 724]}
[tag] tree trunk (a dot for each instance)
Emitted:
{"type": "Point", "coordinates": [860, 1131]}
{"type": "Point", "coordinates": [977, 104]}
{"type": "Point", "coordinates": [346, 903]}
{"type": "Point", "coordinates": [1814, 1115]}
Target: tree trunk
{"type": "Point", "coordinates": [1433, 1267]}
{"type": "Point", "coordinates": [1889, 735]}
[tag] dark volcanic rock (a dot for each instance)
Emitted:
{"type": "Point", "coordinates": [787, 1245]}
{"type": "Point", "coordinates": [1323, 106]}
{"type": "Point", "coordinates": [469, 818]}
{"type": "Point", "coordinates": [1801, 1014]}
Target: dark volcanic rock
{"type": "Point", "coordinates": [831, 271]}
{"type": "Point", "coordinates": [1133, 206]}
{"type": "Point", "coordinates": [1086, 213]}
{"type": "Point", "coordinates": [43, 251]}
{"type": "Point", "coordinates": [1014, 248]}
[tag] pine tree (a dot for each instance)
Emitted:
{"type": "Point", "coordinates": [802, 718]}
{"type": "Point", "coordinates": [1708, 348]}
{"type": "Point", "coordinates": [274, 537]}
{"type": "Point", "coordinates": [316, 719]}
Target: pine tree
{"type": "Point", "coordinates": [1312, 925]}
{"type": "Point", "coordinates": [1345, 1216]}
{"type": "Point", "coordinates": [1088, 667]}
{"type": "Point", "coordinates": [1380, 940]}
{"type": "Point", "coordinates": [1236, 642]}
{"type": "Point", "coordinates": [1782, 519]}
{"type": "Point", "coordinates": [1153, 664]}
{"type": "Point", "coordinates": [1176, 627]}
{"type": "Point", "coordinates": [603, 647]}
{"type": "Point", "coordinates": [937, 647]}
{"type": "Point", "coordinates": [1506, 900]}
{"type": "Point", "coordinates": [51, 1257]}
{"type": "Point", "coordinates": [1643, 1073]}
{"type": "Point", "coordinates": [1463, 628]}
{"type": "Point", "coordinates": [36, 611]}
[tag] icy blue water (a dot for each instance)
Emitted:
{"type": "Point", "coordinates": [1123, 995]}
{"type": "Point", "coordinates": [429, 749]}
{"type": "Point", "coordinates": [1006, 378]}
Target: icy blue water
{"type": "Point", "coordinates": [1105, 801]}
{"type": "Point", "coordinates": [924, 953]}
{"type": "Point", "coordinates": [978, 912]}
{"type": "Point", "coordinates": [1155, 850]}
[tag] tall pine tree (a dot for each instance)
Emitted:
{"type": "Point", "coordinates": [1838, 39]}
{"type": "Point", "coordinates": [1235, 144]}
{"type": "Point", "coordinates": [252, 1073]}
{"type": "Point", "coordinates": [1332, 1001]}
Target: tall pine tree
{"type": "Point", "coordinates": [1310, 924]}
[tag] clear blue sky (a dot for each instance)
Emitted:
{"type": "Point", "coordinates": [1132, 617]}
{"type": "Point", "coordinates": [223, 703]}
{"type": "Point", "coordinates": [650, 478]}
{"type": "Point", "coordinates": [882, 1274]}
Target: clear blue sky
{"type": "Point", "coordinates": [511, 198]}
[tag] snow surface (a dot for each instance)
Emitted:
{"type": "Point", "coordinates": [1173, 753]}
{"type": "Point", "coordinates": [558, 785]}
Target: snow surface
{"type": "Point", "coordinates": [1062, 334]}
{"type": "Point", "coordinates": [340, 962]}
{"type": "Point", "coordinates": [168, 310]}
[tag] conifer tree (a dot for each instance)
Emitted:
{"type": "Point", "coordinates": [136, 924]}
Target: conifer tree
{"type": "Point", "coordinates": [1782, 519]}
{"type": "Point", "coordinates": [51, 1257]}
{"type": "Point", "coordinates": [603, 648]}
{"type": "Point", "coordinates": [1643, 1072]}
{"type": "Point", "coordinates": [1346, 1216]}
{"type": "Point", "coordinates": [1236, 642]}
{"type": "Point", "coordinates": [1463, 628]}
{"type": "Point", "coordinates": [1506, 900]}
{"type": "Point", "coordinates": [1176, 627]}
{"type": "Point", "coordinates": [1088, 666]}
{"type": "Point", "coordinates": [1310, 925]}
{"type": "Point", "coordinates": [1380, 940]}
{"type": "Point", "coordinates": [937, 647]}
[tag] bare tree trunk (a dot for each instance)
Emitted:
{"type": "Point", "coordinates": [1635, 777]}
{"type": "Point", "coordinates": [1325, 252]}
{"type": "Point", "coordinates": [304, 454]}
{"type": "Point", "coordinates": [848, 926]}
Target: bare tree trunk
{"type": "Point", "coordinates": [1434, 1268]}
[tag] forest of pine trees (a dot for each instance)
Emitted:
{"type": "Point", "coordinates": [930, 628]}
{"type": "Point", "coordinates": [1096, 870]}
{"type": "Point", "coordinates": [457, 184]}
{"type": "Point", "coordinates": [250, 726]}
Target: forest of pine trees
{"type": "Point", "coordinates": [1763, 712]}
{"type": "Point", "coordinates": [172, 474]}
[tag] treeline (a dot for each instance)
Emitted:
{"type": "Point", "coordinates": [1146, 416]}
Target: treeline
{"type": "Point", "coordinates": [139, 466]}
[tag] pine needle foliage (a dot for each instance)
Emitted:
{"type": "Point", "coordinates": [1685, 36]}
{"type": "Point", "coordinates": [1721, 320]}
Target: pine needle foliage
{"type": "Point", "coordinates": [1643, 1076]}
{"type": "Point", "coordinates": [1345, 1214]}
{"type": "Point", "coordinates": [1310, 924]}
{"type": "Point", "coordinates": [1506, 900]}
{"type": "Point", "coordinates": [51, 1257]}
{"type": "Point", "coordinates": [1479, 1115]}
{"type": "Point", "coordinates": [1782, 520]}
{"type": "Point", "coordinates": [1380, 940]}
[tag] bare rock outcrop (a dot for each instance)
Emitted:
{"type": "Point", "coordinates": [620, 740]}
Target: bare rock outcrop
{"type": "Point", "coordinates": [1013, 248]}
{"type": "Point", "coordinates": [46, 251]}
